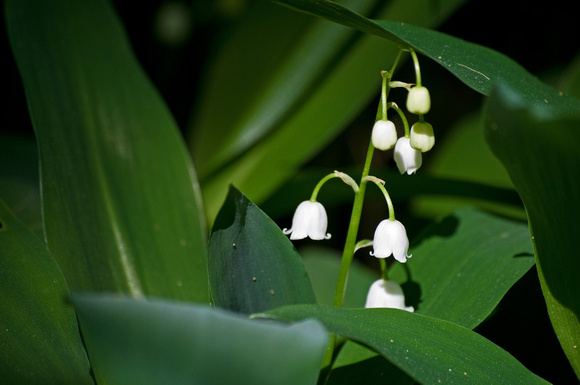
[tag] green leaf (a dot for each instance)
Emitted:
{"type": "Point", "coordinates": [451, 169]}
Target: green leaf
{"type": "Point", "coordinates": [478, 67]}
{"type": "Point", "coordinates": [323, 265]}
{"type": "Point", "coordinates": [459, 272]}
{"type": "Point", "coordinates": [252, 265]}
{"type": "Point", "coordinates": [19, 187]}
{"type": "Point", "coordinates": [120, 200]}
{"type": "Point", "coordinates": [464, 266]}
{"type": "Point", "coordinates": [430, 350]}
{"type": "Point", "coordinates": [542, 159]}
{"type": "Point", "coordinates": [160, 342]}
{"type": "Point", "coordinates": [294, 61]}
{"type": "Point", "coordinates": [357, 364]}
{"type": "Point", "coordinates": [313, 114]}
{"type": "Point", "coordinates": [464, 156]}
{"type": "Point", "coordinates": [40, 336]}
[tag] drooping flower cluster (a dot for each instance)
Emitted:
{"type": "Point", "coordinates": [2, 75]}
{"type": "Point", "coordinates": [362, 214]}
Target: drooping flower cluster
{"type": "Point", "coordinates": [390, 237]}
{"type": "Point", "coordinates": [420, 138]}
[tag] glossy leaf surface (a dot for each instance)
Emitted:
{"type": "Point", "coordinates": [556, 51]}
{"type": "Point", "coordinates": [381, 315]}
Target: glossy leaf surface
{"type": "Point", "coordinates": [541, 155]}
{"type": "Point", "coordinates": [40, 339]}
{"type": "Point", "coordinates": [273, 71]}
{"type": "Point", "coordinates": [307, 116]}
{"type": "Point", "coordinates": [19, 186]}
{"type": "Point", "coordinates": [430, 350]}
{"type": "Point", "coordinates": [459, 272]}
{"type": "Point", "coordinates": [478, 67]}
{"type": "Point", "coordinates": [464, 266]}
{"type": "Point", "coordinates": [252, 265]}
{"type": "Point", "coordinates": [120, 200]}
{"type": "Point", "coordinates": [161, 342]}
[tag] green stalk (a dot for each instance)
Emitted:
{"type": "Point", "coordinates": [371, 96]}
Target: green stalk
{"type": "Point", "coordinates": [403, 118]}
{"type": "Point", "coordinates": [319, 186]}
{"type": "Point", "coordinates": [417, 67]}
{"type": "Point", "coordinates": [350, 244]}
{"type": "Point", "coordinates": [348, 251]}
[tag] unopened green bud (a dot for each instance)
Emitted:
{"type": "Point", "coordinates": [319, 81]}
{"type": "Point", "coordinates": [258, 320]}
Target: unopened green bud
{"type": "Point", "coordinates": [422, 137]}
{"type": "Point", "coordinates": [418, 100]}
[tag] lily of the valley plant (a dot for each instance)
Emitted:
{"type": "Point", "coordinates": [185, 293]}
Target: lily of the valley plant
{"type": "Point", "coordinates": [390, 238]}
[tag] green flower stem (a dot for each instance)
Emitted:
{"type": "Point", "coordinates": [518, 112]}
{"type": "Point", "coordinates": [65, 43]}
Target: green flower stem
{"type": "Point", "coordinates": [350, 243]}
{"type": "Point", "coordinates": [385, 87]}
{"type": "Point", "coordinates": [319, 185]}
{"type": "Point", "coordinates": [417, 68]}
{"type": "Point", "coordinates": [384, 270]}
{"type": "Point", "coordinates": [381, 185]}
{"type": "Point", "coordinates": [384, 92]}
{"type": "Point", "coordinates": [348, 252]}
{"type": "Point", "coordinates": [403, 119]}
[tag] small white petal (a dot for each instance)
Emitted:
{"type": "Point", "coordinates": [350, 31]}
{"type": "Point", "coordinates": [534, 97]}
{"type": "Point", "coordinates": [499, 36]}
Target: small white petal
{"type": "Point", "coordinates": [407, 158]}
{"type": "Point", "coordinates": [386, 294]}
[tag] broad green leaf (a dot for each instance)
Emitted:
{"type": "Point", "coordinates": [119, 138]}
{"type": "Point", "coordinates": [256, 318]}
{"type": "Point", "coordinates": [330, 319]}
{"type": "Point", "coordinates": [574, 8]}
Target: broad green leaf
{"type": "Point", "coordinates": [120, 202]}
{"type": "Point", "coordinates": [464, 156]}
{"type": "Point", "coordinates": [40, 339]}
{"type": "Point", "coordinates": [323, 265]}
{"type": "Point", "coordinates": [430, 350]}
{"type": "Point", "coordinates": [478, 67]}
{"type": "Point", "coordinates": [356, 364]}
{"type": "Point", "coordinates": [541, 155]}
{"type": "Point", "coordinates": [132, 341]}
{"type": "Point", "coordinates": [464, 266]}
{"type": "Point", "coordinates": [19, 187]}
{"type": "Point", "coordinates": [252, 265]}
{"type": "Point", "coordinates": [459, 272]}
{"type": "Point", "coordinates": [273, 58]}
{"type": "Point", "coordinates": [344, 88]}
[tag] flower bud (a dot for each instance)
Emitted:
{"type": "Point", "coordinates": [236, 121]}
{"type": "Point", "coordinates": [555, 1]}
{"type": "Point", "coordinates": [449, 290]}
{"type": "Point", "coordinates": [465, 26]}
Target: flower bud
{"type": "Point", "coordinates": [422, 137]}
{"type": "Point", "coordinates": [418, 100]}
{"type": "Point", "coordinates": [384, 135]}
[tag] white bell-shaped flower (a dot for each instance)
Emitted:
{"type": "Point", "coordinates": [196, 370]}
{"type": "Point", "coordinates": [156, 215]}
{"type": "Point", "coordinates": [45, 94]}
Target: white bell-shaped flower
{"type": "Point", "coordinates": [384, 135]}
{"type": "Point", "coordinates": [422, 137]}
{"type": "Point", "coordinates": [418, 100]}
{"type": "Point", "coordinates": [407, 158]}
{"type": "Point", "coordinates": [309, 220]}
{"type": "Point", "coordinates": [387, 294]}
{"type": "Point", "coordinates": [391, 238]}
